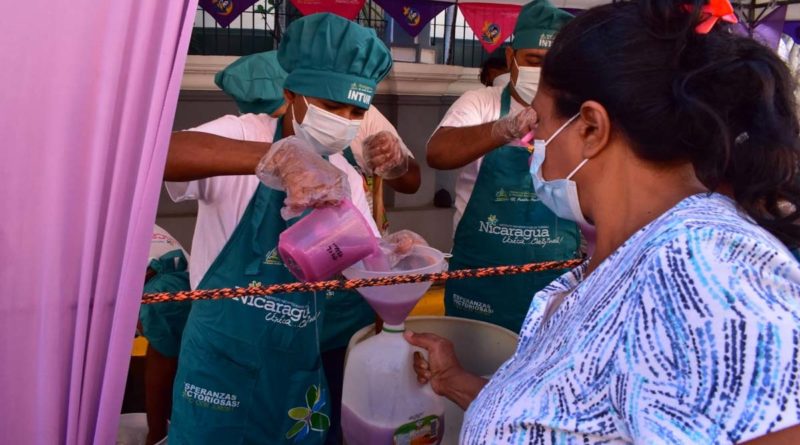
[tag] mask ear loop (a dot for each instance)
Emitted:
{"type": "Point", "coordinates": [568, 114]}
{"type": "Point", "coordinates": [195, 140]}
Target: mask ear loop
{"type": "Point", "coordinates": [566, 124]}
{"type": "Point", "coordinates": [577, 168]}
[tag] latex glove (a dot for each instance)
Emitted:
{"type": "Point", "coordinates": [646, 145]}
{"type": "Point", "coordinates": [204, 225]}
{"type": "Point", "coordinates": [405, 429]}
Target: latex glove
{"type": "Point", "coordinates": [384, 155]}
{"type": "Point", "coordinates": [402, 241]}
{"type": "Point", "coordinates": [293, 166]}
{"type": "Point", "coordinates": [515, 126]}
{"type": "Point", "coordinates": [394, 248]}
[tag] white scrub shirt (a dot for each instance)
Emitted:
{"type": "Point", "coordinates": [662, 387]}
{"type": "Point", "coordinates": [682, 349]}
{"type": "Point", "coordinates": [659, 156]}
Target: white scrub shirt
{"type": "Point", "coordinates": [222, 200]}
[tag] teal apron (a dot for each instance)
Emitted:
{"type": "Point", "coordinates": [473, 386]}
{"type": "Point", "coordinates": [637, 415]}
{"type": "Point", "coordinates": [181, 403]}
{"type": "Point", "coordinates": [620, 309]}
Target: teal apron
{"type": "Point", "coordinates": [504, 224]}
{"type": "Point", "coordinates": [163, 323]}
{"type": "Point", "coordinates": [249, 370]}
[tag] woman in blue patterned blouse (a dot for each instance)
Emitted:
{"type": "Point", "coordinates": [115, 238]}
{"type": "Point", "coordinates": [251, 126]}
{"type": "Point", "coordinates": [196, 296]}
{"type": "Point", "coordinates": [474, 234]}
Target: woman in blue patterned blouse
{"type": "Point", "coordinates": [684, 326]}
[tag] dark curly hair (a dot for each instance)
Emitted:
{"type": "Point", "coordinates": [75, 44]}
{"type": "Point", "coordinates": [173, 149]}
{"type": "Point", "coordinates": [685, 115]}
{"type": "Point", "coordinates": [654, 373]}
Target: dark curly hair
{"type": "Point", "coordinates": [723, 102]}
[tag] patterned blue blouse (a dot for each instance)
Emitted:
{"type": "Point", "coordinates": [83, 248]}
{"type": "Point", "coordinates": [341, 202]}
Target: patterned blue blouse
{"type": "Point", "coordinates": [688, 333]}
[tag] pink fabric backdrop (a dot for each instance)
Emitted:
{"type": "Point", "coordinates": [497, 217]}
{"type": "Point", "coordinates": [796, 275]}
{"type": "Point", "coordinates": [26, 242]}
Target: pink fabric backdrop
{"type": "Point", "coordinates": [88, 96]}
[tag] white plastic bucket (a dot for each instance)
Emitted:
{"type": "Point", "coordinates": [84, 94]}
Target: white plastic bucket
{"type": "Point", "coordinates": [480, 347]}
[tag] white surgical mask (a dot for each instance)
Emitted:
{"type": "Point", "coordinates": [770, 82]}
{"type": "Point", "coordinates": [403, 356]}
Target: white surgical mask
{"type": "Point", "coordinates": [559, 195]}
{"type": "Point", "coordinates": [328, 133]}
{"type": "Point", "coordinates": [527, 82]}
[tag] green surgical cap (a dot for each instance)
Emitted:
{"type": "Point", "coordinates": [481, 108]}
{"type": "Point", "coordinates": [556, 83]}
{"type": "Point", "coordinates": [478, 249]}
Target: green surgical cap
{"type": "Point", "coordinates": [330, 57]}
{"type": "Point", "coordinates": [537, 25]}
{"type": "Point", "coordinates": [255, 82]}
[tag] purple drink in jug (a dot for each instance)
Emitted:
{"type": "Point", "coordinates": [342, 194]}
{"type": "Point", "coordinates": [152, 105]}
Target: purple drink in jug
{"type": "Point", "coordinates": [428, 430]}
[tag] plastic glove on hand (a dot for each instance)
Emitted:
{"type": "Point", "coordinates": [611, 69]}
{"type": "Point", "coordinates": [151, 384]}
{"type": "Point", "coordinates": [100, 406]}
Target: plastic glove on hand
{"type": "Point", "coordinates": [398, 245]}
{"type": "Point", "coordinates": [402, 241]}
{"type": "Point", "coordinates": [384, 155]}
{"type": "Point", "coordinates": [515, 126]}
{"type": "Point", "coordinates": [293, 166]}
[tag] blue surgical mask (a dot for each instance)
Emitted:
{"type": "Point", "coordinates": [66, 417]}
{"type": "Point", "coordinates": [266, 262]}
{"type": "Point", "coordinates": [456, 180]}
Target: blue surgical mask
{"type": "Point", "coordinates": [559, 195]}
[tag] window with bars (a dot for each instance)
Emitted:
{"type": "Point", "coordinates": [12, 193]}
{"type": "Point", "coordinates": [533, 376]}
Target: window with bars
{"type": "Point", "coordinates": [260, 27]}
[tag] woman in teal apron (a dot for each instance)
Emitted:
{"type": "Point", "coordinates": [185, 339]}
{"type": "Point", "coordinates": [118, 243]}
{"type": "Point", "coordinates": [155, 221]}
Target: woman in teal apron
{"type": "Point", "coordinates": [504, 223]}
{"type": "Point", "coordinates": [250, 369]}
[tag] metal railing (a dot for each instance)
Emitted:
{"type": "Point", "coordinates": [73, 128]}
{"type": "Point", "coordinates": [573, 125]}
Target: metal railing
{"type": "Point", "coordinates": [259, 28]}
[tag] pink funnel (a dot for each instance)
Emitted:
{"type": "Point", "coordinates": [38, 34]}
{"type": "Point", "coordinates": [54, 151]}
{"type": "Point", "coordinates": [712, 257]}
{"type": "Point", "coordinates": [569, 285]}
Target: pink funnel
{"type": "Point", "coordinates": [394, 303]}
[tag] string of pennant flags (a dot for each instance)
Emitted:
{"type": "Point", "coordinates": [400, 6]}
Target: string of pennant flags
{"type": "Point", "coordinates": [491, 21]}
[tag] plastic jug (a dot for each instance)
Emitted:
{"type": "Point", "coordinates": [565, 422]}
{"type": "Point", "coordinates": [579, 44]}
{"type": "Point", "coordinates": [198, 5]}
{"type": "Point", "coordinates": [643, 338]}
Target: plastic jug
{"type": "Point", "coordinates": [382, 402]}
{"type": "Point", "coordinates": [326, 241]}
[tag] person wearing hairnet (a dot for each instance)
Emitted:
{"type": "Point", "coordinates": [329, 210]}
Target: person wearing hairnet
{"type": "Point", "coordinates": [250, 370]}
{"type": "Point", "coordinates": [255, 82]}
{"type": "Point", "coordinates": [499, 220]}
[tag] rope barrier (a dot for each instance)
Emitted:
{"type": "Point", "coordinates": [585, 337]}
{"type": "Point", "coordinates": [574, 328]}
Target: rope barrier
{"type": "Point", "coordinates": [220, 294]}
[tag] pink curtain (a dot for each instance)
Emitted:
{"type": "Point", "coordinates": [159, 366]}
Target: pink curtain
{"type": "Point", "coordinates": [88, 91]}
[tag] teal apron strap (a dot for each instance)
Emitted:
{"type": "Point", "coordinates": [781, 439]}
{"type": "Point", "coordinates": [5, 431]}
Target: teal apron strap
{"type": "Point", "coordinates": [260, 204]}
{"type": "Point", "coordinates": [351, 159]}
{"type": "Point", "coordinates": [505, 101]}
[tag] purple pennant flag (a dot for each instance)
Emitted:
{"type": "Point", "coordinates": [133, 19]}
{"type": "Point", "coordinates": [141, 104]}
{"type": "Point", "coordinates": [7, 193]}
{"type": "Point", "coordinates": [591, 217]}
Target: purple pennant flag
{"type": "Point", "coordinates": [792, 28]}
{"type": "Point", "coordinates": [413, 15]}
{"type": "Point", "coordinates": [225, 11]}
{"type": "Point", "coordinates": [767, 30]}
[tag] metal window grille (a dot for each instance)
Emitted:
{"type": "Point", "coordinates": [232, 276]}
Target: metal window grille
{"type": "Point", "coordinates": [259, 28]}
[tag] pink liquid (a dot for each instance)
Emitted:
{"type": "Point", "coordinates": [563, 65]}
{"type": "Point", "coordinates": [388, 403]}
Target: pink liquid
{"type": "Point", "coordinates": [394, 303]}
{"type": "Point", "coordinates": [393, 312]}
{"type": "Point", "coordinates": [358, 431]}
{"type": "Point", "coordinates": [377, 262]}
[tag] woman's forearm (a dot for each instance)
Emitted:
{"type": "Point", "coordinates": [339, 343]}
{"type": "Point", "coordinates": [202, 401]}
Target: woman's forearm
{"type": "Point", "coordinates": [463, 388]}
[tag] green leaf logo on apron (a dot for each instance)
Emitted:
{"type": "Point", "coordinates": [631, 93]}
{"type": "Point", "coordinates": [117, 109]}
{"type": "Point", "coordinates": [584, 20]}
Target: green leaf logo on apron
{"type": "Point", "coordinates": [308, 417]}
{"type": "Point", "coordinates": [272, 258]}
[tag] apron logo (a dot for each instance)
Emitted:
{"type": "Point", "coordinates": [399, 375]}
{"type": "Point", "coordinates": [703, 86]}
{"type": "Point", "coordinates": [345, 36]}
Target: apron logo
{"type": "Point", "coordinates": [220, 401]}
{"type": "Point", "coordinates": [515, 234]}
{"type": "Point", "coordinates": [273, 259]}
{"type": "Point", "coordinates": [470, 305]}
{"type": "Point", "coordinates": [515, 196]}
{"type": "Point", "coordinates": [280, 311]}
{"type": "Point", "coordinates": [309, 418]}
